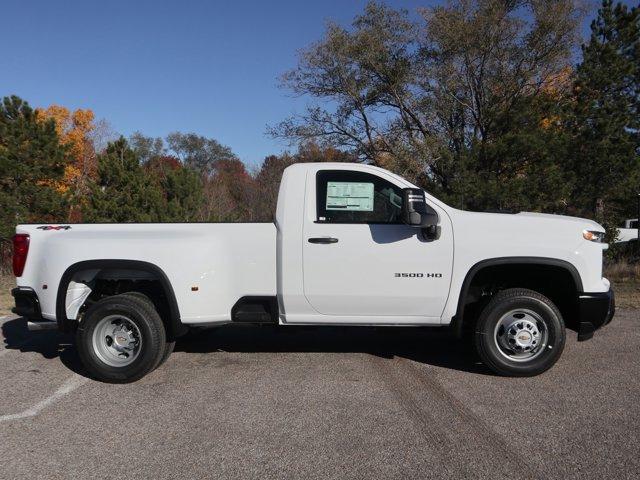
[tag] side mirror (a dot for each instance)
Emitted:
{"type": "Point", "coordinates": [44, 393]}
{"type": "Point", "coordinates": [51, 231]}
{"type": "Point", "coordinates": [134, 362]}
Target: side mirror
{"type": "Point", "coordinates": [416, 212]}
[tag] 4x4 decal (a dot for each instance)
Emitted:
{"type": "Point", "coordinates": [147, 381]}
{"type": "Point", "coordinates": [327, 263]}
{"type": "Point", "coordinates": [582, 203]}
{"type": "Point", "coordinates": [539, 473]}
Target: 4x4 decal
{"type": "Point", "coordinates": [54, 227]}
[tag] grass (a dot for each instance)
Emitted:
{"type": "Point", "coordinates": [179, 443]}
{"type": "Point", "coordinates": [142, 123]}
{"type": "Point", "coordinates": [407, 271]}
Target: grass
{"type": "Point", "coordinates": [623, 271]}
{"type": "Point", "coordinates": [7, 282]}
{"type": "Point", "coordinates": [627, 294]}
{"type": "Point", "coordinates": [625, 277]}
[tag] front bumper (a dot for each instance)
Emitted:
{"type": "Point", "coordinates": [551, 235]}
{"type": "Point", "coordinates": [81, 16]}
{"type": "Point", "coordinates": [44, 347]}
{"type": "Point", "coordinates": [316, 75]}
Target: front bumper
{"type": "Point", "coordinates": [595, 310]}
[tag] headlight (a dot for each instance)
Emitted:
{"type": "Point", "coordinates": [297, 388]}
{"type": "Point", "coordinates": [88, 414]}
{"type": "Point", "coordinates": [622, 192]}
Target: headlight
{"type": "Point", "coordinates": [593, 236]}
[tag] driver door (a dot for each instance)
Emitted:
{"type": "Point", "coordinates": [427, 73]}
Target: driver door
{"type": "Point", "coordinates": [359, 259]}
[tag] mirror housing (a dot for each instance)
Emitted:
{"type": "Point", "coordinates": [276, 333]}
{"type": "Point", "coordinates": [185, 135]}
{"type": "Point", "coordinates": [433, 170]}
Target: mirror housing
{"type": "Point", "coordinates": [416, 212]}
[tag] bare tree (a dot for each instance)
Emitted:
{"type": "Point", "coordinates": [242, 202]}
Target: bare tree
{"type": "Point", "coordinates": [413, 95]}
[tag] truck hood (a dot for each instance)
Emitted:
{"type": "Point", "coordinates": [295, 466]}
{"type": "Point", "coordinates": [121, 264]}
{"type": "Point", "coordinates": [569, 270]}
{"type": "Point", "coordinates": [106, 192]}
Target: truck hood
{"type": "Point", "coordinates": [525, 228]}
{"type": "Point", "coordinates": [583, 222]}
{"type": "Point", "coordinates": [529, 219]}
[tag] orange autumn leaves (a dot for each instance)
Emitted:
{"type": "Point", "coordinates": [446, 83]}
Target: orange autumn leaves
{"type": "Point", "coordinates": [556, 86]}
{"type": "Point", "coordinates": [74, 129]}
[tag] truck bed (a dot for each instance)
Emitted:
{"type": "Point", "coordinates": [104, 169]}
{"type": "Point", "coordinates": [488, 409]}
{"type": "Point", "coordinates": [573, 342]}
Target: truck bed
{"type": "Point", "coordinates": [209, 265]}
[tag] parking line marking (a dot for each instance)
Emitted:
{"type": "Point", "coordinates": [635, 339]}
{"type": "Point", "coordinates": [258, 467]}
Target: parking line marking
{"type": "Point", "coordinates": [66, 388]}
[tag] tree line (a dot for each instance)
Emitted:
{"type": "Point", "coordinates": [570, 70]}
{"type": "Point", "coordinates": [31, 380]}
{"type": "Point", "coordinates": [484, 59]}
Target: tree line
{"type": "Point", "coordinates": [487, 104]}
{"type": "Point", "coordinates": [62, 166]}
{"type": "Point", "coordinates": [480, 102]}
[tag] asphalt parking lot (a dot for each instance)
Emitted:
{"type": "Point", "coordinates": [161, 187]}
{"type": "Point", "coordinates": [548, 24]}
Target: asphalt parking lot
{"type": "Point", "coordinates": [251, 402]}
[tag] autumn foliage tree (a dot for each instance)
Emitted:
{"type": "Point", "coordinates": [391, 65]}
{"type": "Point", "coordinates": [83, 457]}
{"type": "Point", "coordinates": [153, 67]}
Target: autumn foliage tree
{"type": "Point", "coordinates": [226, 185]}
{"type": "Point", "coordinates": [74, 129]}
{"type": "Point", "coordinates": [268, 175]}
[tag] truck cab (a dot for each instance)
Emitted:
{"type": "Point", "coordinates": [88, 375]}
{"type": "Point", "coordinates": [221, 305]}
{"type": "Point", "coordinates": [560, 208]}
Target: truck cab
{"type": "Point", "coordinates": [347, 255]}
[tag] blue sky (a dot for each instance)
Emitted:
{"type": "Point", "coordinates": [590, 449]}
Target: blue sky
{"type": "Point", "coordinates": [208, 67]}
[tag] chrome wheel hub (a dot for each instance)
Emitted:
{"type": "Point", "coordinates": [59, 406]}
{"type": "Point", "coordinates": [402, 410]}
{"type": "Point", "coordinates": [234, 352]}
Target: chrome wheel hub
{"type": "Point", "coordinates": [116, 340]}
{"type": "Point", "coordinates": [521, 335]}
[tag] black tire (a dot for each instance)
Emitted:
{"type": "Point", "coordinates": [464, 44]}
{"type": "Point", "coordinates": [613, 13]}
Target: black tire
{"type": "Point", "coordinates": [544, 314]}
{"type": "Point", "coordinates": [169, 345]}
{"type": "Point", "coordinates": [152, 333]}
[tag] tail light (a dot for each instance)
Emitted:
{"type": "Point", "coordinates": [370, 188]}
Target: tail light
{"type": "Point", "coordinates": [20, 251]}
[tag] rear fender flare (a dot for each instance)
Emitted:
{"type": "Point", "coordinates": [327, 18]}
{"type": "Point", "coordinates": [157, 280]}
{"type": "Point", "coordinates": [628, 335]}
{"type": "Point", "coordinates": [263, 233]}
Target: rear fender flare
{"type": "Point", "coordinates": [174, 326]}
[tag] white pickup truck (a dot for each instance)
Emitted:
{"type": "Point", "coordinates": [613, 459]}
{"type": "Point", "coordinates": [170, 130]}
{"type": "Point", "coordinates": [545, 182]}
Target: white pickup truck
{"type": "Point", "coordinates": [351, 245]}
{"type": "Point", "coordinates": [629, 231]}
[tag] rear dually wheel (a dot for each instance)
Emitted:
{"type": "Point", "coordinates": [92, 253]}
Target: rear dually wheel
{"type": "Point", "coordinates": [121, 338]}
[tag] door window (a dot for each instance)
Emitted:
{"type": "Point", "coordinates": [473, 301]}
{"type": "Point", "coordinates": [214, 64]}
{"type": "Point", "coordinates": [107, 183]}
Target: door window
{"type": "Point", "coordinates": [344, 196]}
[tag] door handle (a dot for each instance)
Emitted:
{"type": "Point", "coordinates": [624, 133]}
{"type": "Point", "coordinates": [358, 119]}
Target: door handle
{"type": "Point", "coordinates": [323, 240]}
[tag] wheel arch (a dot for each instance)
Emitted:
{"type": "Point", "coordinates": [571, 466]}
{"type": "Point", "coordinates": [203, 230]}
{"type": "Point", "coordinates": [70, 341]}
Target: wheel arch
{"type": "Point", "coordinates": [483, 265]}
{"type": "Point", "coordinates": [173, 323]}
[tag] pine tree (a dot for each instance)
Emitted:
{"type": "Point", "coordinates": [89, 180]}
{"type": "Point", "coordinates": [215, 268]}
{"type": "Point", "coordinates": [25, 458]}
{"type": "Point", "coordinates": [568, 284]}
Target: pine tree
{"type": "Point", "coordinates": [606, 115]}
{"type": "Point", "coordinates": [32, 163]}
{"type": "Point", "coordinates": [124, 192]}
{"type": "Point", "coordinates": [182, 188]}
{"type": "Point", "coordinates": [521, 169]}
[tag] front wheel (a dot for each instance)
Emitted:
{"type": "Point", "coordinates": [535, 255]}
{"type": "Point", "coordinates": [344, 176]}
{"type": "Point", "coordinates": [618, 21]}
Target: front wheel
{"type": "Point", "coordinates": [520, 333]}
{"type": "Point", "coordinates": [121, 339]}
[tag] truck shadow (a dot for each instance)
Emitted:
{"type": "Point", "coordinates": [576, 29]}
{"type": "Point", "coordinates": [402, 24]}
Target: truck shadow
{"type": "Point", "coordinates": [428, 346]}
{"type": "Point", "coordinates": [48, 343]}
{"type": "Point", "coordinates": [425, 345]}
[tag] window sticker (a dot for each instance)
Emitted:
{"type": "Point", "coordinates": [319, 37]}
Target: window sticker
{"type": "Point", "coordinates": [350, 196]}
